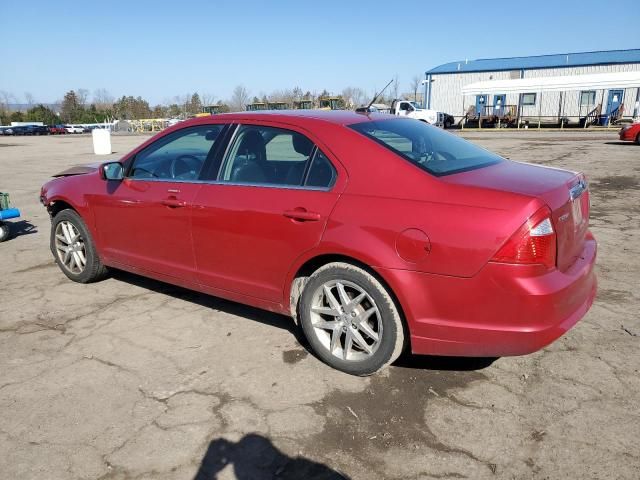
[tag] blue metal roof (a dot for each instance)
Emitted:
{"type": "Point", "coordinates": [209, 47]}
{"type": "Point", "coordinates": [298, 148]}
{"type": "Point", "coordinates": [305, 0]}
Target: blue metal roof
{"type": "Point", "coordinates": [543, 61]}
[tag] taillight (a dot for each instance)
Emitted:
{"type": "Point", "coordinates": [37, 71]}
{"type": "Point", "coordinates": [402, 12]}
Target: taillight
{"type": "Point", "coordinates": [533, 243]}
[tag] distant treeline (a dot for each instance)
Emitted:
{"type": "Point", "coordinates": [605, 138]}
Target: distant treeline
{"type": "Point", "coordinates": [75, 107]}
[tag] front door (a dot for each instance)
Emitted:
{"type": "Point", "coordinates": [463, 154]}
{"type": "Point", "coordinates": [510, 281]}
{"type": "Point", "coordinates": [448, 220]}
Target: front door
{"type": "Point", "coordinates": [144, 221]}
{"type": "Point", "coordinates": [269, 204]}
{"type": "Point", "coordinates": [614, 101]}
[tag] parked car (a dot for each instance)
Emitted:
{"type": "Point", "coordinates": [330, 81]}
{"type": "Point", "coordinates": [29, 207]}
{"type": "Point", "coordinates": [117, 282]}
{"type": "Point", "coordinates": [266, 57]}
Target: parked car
{"type": "Point", "coordinates": [376, 232]}
{"type": "Point", "coordinates": [20, 130]}
{"type": "Point", "coordinates": [631, 133]}
{"type": "Point", "coordinates": [37, 130]}
{"type": "Point", "coordinates": [73, 129]}
{"type": "Point", "coordinates": [57, 130]}
{"type": "Point", "coordinates": [3, 129]}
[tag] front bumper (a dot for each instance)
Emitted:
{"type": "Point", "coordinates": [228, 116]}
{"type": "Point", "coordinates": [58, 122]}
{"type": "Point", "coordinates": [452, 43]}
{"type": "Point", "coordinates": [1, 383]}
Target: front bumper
{"type": "Point", "coordinates": [504, 310]}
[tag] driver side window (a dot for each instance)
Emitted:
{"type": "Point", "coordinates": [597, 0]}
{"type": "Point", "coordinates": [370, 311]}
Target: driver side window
{"type": "Point", "coordinates": [178, 156]}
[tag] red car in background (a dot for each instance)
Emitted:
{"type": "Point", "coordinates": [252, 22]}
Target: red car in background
{"type": "Point", "coordinates": [377, 233]}
{"type": "Point", "coordinates": [631, 133]}
{"type": "Point", "coordinates": [57, 130]}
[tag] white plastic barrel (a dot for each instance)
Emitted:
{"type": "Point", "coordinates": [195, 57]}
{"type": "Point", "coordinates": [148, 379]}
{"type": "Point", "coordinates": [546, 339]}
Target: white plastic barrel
{"type": "Point", "coordinates": [101, 141]}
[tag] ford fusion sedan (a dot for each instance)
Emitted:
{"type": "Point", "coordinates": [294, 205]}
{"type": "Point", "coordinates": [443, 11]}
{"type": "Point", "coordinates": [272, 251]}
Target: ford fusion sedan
{"type": "Point", "coordinates": [377, 234]}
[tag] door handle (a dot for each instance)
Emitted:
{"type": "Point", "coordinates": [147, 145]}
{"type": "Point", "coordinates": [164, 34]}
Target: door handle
{"type": "Point", "coordinates": [302, 215]}
{"type": "Point", "coordinates": [173, 203]}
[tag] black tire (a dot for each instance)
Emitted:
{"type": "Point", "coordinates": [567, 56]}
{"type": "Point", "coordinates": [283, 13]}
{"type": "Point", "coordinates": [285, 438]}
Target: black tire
{"type": "Point", "coordinates": [391, 342]}
{"type": "Point", "coordinates": [5, 232]}
{"type": "Point", "coordinates": [93, 270]}
{"type": "Point", "coordinates": [638, 139]}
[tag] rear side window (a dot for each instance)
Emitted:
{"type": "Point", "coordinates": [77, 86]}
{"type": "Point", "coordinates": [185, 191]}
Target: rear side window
{"type": "Point", "coordinates": [321, 173]}
{"type": "Point", "coordinates": [266, 156]}
{"type": "Point", "coordinates": [430, 148]}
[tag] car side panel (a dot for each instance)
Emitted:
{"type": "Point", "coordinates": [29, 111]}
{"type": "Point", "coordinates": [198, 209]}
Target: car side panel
{"type": "Point", "coordinates": [455, 239]}
{"type": "Point", "coordinates": [73, 190]}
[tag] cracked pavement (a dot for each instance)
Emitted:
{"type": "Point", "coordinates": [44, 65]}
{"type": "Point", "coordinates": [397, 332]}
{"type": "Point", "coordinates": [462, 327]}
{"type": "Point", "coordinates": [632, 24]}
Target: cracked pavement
{"type": "Point", "coordinates": [134, 379]}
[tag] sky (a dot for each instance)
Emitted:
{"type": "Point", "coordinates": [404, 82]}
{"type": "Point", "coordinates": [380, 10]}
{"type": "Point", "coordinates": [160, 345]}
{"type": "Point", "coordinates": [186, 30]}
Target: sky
{"type": "Point", "coordinates": [161, 49]}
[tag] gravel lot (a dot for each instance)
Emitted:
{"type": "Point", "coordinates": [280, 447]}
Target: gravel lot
{"type": "Point", "coordinates": [131, 378]}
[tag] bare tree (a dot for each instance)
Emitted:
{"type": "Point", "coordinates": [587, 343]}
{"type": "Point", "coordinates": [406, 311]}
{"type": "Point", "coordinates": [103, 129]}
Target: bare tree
{"type": "Point", "coordinates": [183, 101]}
{"type": "Point", "coordinates": [354, 96]}
{"type": "Point", "coordinates": [102, 99]}
{"type": "Point", "coordinates": [28, 97]}
{"type": "Point", "coordinates": [207, 99]}
{"type": "Point", "coordinates": [5, 99]}
{"type": "Point", "coordinates": [239, 99]}
{"type": "Point", "coordinates": [415, 83]}
{"type": "Point", "coordinates": [82, 94]}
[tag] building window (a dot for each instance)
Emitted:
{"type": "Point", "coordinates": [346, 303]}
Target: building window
{"type": "Point", "coordinates": [528, 99]}
{"type": "Point", "coordinates": [587, 97]}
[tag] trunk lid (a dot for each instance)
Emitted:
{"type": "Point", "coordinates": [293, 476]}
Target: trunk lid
{"type": "Point", "coordinates": [565, 193]}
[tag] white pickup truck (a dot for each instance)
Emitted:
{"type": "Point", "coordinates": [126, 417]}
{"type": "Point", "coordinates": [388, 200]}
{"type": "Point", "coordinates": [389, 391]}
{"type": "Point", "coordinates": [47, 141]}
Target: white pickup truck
{"type": "Point", "coordinates": [405, 108]}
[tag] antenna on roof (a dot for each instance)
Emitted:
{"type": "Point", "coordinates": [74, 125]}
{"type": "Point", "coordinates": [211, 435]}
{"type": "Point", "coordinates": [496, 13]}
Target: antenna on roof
{"type": "Point", "coordinates": [367, 109]}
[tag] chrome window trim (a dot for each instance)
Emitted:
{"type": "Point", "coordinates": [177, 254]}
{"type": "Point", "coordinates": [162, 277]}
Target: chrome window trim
{"type": "Point", "coordinates": [161, 180]}
{"type": "Point", "coordinates": [272, 185]}
{"type": "Point", "coordinates": [233, 184]}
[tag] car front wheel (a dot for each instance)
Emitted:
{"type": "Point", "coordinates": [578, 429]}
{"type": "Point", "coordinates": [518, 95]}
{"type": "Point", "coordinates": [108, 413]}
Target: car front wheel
{"type": "Point", "coordinates": [73, 248]}
{"type": "Point", "coordinates": [350, 319]}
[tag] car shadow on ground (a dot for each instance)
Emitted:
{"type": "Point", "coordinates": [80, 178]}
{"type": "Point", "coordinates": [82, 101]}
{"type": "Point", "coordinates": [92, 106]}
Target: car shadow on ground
{"type": "Point", "coordinates": [215, 303]}
{"type": "Point", "coordinates": [453, 364]}
{"type": "Point", "coordinates": [626, 144]}
{"type": "Point", "coordinates": [406, 361]}
{"type": "Point", "coordinates": [254, 457]}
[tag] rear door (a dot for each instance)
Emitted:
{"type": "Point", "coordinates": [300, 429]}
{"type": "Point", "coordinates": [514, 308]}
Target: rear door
{"type": "Point", "coordinates": [269, 204]}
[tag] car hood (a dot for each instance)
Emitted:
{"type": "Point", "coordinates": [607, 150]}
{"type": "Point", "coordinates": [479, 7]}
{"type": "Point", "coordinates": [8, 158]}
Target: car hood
{"type": "Point", "coordinates": [78, 170]}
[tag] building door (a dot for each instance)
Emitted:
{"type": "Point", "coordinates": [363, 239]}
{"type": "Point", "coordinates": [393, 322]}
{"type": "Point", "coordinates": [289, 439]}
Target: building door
{"type": "Point", "coordinates": [481, 102]}
{"type": "Point", "coordinates": [615, 100]}
{"type": "Point", "coordinates": [499, 100]}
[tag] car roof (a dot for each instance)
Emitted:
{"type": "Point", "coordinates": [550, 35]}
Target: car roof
{"type": "Point", "coordinates": [336, 117]}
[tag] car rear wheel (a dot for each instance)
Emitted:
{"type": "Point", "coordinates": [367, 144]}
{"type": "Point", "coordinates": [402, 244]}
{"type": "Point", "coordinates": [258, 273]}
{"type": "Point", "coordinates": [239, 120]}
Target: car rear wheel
{"type": "Point", "coordinates": [350, 319]}
{"type": "Point", "coordinates": [73, 248]}
{"type": "Point", "coordinates": [638, 139]}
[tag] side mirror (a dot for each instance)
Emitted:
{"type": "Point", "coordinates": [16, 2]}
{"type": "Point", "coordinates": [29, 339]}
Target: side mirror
{"type": "Point", "coordinates": [112, 171]}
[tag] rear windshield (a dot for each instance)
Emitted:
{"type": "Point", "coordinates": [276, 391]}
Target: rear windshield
{"type": "Point", "coordinates": [430, 148]}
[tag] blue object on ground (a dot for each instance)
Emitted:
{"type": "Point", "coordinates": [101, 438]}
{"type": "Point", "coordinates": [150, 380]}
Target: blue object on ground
{"type": "Point", "coordinates": [9, 213]}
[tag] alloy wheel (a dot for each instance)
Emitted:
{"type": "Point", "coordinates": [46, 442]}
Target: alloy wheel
{"type": "Point", "coordinates": [346, 320]}
{"type": "Point", "coordinates": [70, 247]}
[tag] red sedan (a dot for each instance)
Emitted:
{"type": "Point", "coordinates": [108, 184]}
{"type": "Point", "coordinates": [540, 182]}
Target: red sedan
{"type": "Point", "coordinates": [377, 233]}
{"type": "Point", "coordinates": [631, 133]}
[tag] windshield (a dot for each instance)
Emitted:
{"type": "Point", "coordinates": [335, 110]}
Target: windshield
{"type": "Point", "coordinates": [416, 105]}
{"type": "Point", "coordinates": [430, 148]}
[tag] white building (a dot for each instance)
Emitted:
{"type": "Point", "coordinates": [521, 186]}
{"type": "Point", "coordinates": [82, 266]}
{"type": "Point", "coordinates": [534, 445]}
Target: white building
{"type": "Point", "coordinates": [522, 87]}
